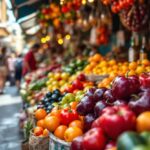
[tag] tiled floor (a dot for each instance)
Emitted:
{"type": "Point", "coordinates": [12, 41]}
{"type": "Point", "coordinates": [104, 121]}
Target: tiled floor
{"type": "Point", "coordinates": [10, 136]}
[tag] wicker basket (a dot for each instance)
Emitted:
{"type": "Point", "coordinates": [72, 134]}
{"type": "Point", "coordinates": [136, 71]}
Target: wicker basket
{"type": "Point", "coordinates": [38, 143]}
{"type": "Point", "coordinates": [57, 144]}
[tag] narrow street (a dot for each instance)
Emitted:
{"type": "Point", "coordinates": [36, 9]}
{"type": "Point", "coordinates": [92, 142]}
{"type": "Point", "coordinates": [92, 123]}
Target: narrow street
{"type": "Point", "coordinates": [10, 105]}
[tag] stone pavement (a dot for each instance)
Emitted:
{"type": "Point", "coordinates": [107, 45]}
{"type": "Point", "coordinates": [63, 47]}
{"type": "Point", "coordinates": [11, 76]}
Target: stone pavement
{"type": "Point", "coordinates": [10, 105]}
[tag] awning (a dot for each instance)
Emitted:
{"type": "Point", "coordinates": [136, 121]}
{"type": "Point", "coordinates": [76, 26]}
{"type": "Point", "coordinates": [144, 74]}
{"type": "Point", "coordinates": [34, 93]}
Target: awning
{"type": "Point", "coordinates": [26, 12]}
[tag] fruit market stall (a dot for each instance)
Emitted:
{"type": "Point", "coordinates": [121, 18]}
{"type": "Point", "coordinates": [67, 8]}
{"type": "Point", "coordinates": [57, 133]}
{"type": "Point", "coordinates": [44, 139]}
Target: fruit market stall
{"type": "Point", "coordinates": [87, 99]}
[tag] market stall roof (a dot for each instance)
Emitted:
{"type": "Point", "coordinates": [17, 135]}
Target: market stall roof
{"type": "Point", "coordinates": [26, 11]}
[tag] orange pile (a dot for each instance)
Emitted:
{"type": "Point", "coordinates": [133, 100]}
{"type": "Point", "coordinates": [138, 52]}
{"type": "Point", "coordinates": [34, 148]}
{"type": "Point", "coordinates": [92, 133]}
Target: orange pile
{"type": "Point", "coordinates": [51, 123]}
{"type": "Point", "coordinates": [99, 66]}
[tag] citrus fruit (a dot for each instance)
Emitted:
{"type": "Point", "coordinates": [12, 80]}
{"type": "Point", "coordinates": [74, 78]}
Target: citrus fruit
{"type": "Point", "coordinates": [45, 133]}
{"type": "Point", "coordinates": [143, 122]}
{"type": "Point", "coordinates": [51, 123]}
{"type": "Point", "coordinates": [40, 123]}
{"type": "Point", "coordinates": [40, 114]}
{"type": "Point", "coordinates": [60, 130]}
{"type": "Point", "coordinates": [71, 133]}
{"type": "Point", "coordinates": [76, 123]}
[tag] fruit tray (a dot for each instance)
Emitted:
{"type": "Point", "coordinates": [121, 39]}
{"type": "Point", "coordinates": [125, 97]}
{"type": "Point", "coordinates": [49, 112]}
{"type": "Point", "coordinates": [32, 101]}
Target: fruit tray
{"type": "Point", "coordinates": [38, 143]}
{"type": "Point", "coordinates": [95, 78]}
{"type": "Point", "coordinates": [57, 144]}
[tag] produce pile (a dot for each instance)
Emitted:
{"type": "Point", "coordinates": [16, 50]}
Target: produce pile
{"type": "Point", "coordinates": [99, 118]}
{"type": "Point", "coordinates": [99, 115]}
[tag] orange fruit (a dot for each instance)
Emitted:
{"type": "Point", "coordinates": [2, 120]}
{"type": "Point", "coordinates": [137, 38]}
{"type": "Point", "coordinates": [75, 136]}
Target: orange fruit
{"type": "Point", "coordinates": [76, 123]}
{"type": "Point", "coordinates": [60, 130]}
{"type": "Point", "coordinates": [96, 57]}
{"type": "Point", "coordinates": [40, 114]}
{"type": "Point", "coordinates": [45, 133]}
{"type": "Point", "coordinates": [93, 64]}
{"type": "Point", "coordinates": [40, 123]}
{"type": "Point", "coordinates": [38, 131]}
{"type": "Point", "coordinates": [131, 73]}
{"type": "Point", "coordinates": [71, 133]}
{"type": "Point", "coordinates": [55, 112]}
{"type": "Point", "coordinates": [112, 62]}
{"type": "Point", "coordinates": [140, 69]}
{"type": "Point", "coordinates": [145, 62]}
{"type": "Point", "coordinates": [132, 65]}
{"type": "Point", "coordinates": [143, 122]}
{"type": "Point", "coordinates": [51, 123]}
{"type": "Point", "coordinates": [73, 105]}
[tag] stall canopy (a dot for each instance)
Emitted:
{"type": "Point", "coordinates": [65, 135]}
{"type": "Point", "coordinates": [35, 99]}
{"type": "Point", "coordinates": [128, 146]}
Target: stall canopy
{"type": "Point", "coordinates": [26, 12]}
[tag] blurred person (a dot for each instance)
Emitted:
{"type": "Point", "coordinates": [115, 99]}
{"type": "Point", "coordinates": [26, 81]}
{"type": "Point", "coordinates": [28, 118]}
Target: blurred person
{"type": "Point", "coordinates": [18, 70]}
{"type": "Point", "coordinates": [11, 67]}
{"type": "Point", "coordinates": [29, 61]}
{"type": "Point", "coordinates": [3, 69]}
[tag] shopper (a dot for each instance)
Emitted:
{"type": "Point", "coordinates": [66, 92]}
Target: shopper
{"type": "Point", "coordinates": [11, 68]}
{"type": "Point", "coordinates": [29, 62]}
{"type": "Point", "coordinates": [3, 69]}
{"type": "Point", "coordinates": [18, 70]}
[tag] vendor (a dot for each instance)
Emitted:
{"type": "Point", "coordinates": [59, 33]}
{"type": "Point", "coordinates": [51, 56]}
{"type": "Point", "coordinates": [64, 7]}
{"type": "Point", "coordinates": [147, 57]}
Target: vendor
{"type": "Point", "coordinates": [29, 62]}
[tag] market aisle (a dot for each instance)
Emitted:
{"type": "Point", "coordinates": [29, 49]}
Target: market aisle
{"type": "Point", "coordinates": [10, 105]}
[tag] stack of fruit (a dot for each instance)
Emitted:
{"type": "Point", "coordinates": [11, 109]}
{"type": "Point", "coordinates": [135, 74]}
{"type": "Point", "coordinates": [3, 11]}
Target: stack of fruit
{"type": "Point", "coordinates": [65, 123]}
{"type": "Point", "coordinates": [75, 66]}
{"type": "Point", "coordinates": [101, 118]}
{"type": "Point", "coordinates": [99, 66]}
{"type": "Point", "coordinates": [123, 108]}
{"type": "Point", "coordinates": [57, 81]}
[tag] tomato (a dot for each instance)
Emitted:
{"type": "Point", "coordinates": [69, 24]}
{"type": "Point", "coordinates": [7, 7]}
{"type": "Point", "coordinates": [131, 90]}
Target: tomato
{"type": "Point", "coordinates": [69, 89]}
{"type": "Point", "coordinates": [77, 84]}
{"type": "Point", "coordinates": [68, 115]}
{"type": "Point", "coordinates": [71, 133]}
{"type": "Point", "coordinates": [143, 122]}
{"type": "Point", "coordinates": [38, 131]}
{"type": "Point", "coordinates": [94, 139]}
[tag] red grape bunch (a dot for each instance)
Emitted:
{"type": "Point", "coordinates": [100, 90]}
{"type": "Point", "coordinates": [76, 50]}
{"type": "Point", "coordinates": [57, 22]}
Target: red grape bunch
{"type": "Point", "coordinates": [135, 18]}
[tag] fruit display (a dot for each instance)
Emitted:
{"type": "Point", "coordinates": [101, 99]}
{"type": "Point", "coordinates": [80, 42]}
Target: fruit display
{"type": "Point", "coordinates": [57, 80]}
{"type": "Point", "coordinates": [114, 118]}
{"type": "Point", "coordinates": [100, 66]}
{"type": "Point", "coordinates": [74, 66]}
{"type": "Point", "coordinates": [64, 123]}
